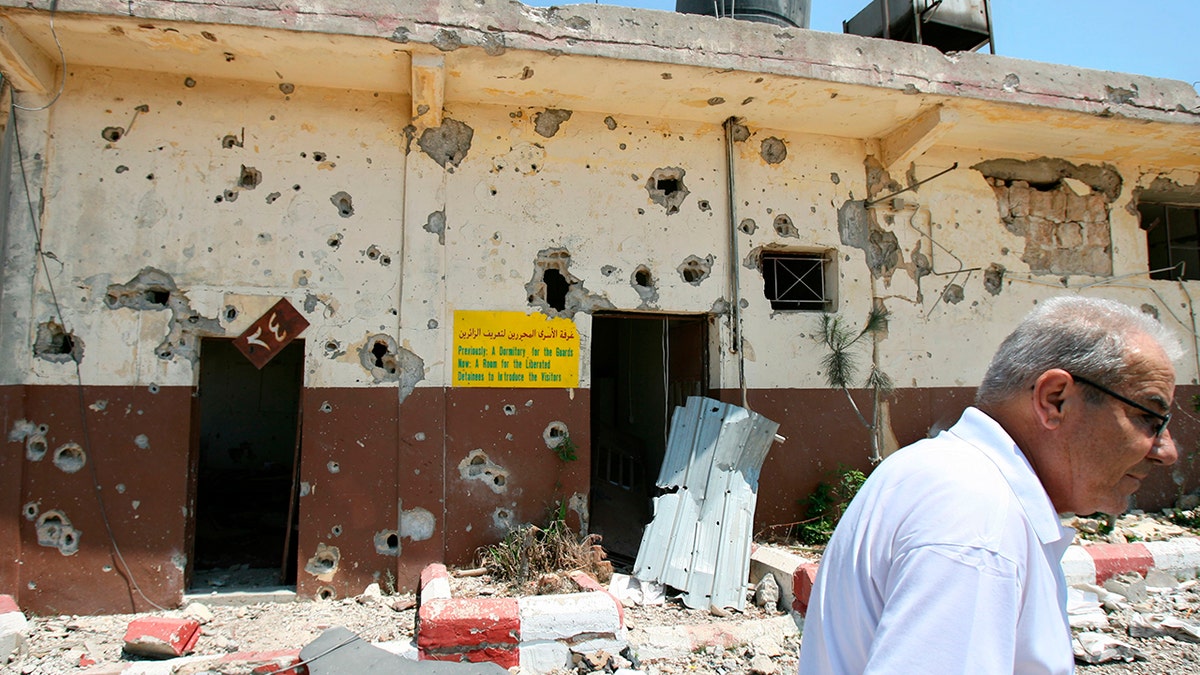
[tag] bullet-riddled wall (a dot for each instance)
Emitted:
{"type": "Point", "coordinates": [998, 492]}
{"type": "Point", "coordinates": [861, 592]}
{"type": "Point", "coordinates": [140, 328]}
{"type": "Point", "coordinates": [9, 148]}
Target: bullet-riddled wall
{"type": "Point", "coordinates": [175, 210]}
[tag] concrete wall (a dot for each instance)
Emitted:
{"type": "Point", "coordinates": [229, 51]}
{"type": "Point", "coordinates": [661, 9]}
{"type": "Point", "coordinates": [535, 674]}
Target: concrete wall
{"type": "Point", "coordinates": [181, 208]}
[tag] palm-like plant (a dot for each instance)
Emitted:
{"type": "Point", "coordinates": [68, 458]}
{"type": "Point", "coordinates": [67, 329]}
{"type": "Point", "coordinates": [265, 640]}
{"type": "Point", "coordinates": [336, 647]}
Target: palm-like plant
{"type": "Point", "coordinates": [841, 363]}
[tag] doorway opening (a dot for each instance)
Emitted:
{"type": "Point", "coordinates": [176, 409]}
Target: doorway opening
{"type": "Point", "coordinates": [248, 452]}
{"type": "Point", "coordinates": [643, 366]}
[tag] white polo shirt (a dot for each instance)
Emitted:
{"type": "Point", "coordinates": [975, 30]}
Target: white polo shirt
{"type": "Point", "coordinates": [947, 561]}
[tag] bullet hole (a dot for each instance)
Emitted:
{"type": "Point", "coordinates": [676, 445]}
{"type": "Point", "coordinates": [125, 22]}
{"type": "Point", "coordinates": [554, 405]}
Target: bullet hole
{"type": "Point", "coordinates": [547, 122]}
{"type": "Point", "coordinates": [35, 447]}
{"type": "Point", "coordinates": [610, 123]}
{"type": "Point", "coordinates": [142, 442]}
{"type": "Point", "coordinates": [748, 226]}
{"type": "Point", "coordinates": [665, 76]}
{"type": "Point", "coordinates": [318, 157]}
{"type": "Point", "coordinates": [387, 542]}
{"type": "Point", "coordinates": [381, 357]}
{"type": "Point", "coordinates": [448, 144]}
{"type": "Point", "coordinates": [704, 205]}
{"type": "Point", "coordinates": [287, 88]}
{"type": "Point", "coordinates": [153, 388]}
{"type": "Point", "coordinates": [556, 289]}
{"type": "Point", "coordinates": [112, 134]}
{"type": "Point", "coordinates": [834, 178]}
{"type": "Point", "coordinates": [323, 562]}
{"type": "Point", "coordinates": [70, 458]}
{"type": "Point", "coordinates": [343, 203]}
{"type": "Point", "coordinates": [695, 269]}
{"type": "Point", "coordinates": [784, 226]}
{"type": "Point", "coordinates": [432, 324]}
{"type": "Point", "coordinates": [716, 100]}
{"type": "Point", "coordinates": [229, 57]}
{"type": "Point", "coordinates": [149, 176]}
{"type": "Point", "coordinates": [373, 252]}
{"type": "Point", "coordinates": [773, 150]}
{"type": "Point", "coordinates": [208, 36]}
{"type": "Point", "coordinates": [332, 346]}
{"type": "Point", "coordinates": [54, 344]}
{"type": "Point", "coordinates": [272, 197]}
{"type": "Point", "coordinates": [218, 199]}
{"type": "Point", "coordinates": [740, 132]}
{"type": "Point", "coordinates": [477, 466]}
{"type": "Point", "coordinates": [665, 187]}
{"type": "Point", "coordinates": [31, 511]}
{"type": "Point", "coordinates": [502, 519]}
{"type": "Point", "coordinates": [333, 467]}
{"type": "Point", "coordinates": [554, 434]}
{"type": "Point", "coordinates": [249, 178]}
{"type": "Point", "coordinates": [326, 407]}
{"type": "Point", "coordinates": [608, 270]}
{"type": "Point", "coordinates": [953, 294]}
{"type": "Point", "coordinates": [121, 168]}
{"type": "Point", "coordinates": [447, 40]}
{"type": "Point", "coordinates": [231, 141]}
{"type": "Point", "coordinates": [335, 241]}
{"type": "Point", "coordinates": [510, 409]}
{"type": "Point", "coordinates": [230, 195]}
{"type": "Point", "coordinates": [993, 278]}
{"type": "Point", "coordinates": [326, 593]}
{"type": "Point", "coordinates": [642, 281]}
{"type": "Point", "coordinates": [189, 82]}
{"type": "Point", "coordinates": [642, 277]}
{"type": "Point", "coordinates": [54, 530]}
{"type": "Point", "coordinates": [231, 313]}
{"type": "Point", "coordinates": [622, 146]}
{"type": "Point", "coordinates": [296, 187]}
{"type": "Point", "coordinates": [748, 100]}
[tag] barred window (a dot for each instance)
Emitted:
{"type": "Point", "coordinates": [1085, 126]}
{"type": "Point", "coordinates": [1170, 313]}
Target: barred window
{"type": "Point", "coordinates": [1172, 240]}
{"type": "Point", "coordinates": [798, 281]}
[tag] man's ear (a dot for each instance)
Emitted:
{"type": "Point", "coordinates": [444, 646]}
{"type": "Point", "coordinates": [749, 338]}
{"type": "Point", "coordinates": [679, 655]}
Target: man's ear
{"type": "Point", "coordinates": [1049, 393]}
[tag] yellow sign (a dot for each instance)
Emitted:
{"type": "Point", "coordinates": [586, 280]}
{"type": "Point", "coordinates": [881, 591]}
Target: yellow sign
{"type": "Point", "coordinates": [514, 349]}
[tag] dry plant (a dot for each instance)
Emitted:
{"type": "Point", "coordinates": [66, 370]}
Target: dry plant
{"type": "Point", "coordinates": [528, 552]}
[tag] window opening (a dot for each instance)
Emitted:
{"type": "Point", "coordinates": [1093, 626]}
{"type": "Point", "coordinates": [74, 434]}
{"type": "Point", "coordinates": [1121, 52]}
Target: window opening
{"type": "Point", "coordinates": [796, 281]}
{"type": "Point", "coordinates": [1172, 240]}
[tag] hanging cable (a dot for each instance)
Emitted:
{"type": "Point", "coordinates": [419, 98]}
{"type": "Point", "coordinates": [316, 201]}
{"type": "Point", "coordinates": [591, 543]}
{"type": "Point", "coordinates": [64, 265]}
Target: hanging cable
{"type": "Point", "coordinates": [62, 59]}
{"type": "Point", "coordinates": [42, 255]}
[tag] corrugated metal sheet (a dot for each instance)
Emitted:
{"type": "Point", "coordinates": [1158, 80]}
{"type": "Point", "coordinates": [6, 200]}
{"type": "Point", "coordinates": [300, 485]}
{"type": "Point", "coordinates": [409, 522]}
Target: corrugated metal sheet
{"type": "Point", "coordinates": [699, 539]}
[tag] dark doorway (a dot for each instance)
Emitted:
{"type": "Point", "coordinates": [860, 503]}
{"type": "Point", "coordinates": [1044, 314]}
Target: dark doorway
{"type": "Point", "coordinates": [643, 366]}
{"type": "Point", "coordinates": [244, 471]}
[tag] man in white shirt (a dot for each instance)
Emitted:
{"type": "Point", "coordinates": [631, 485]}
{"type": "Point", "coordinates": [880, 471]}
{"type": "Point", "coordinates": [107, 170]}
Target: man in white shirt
{"type": "Point", "coordinates": [949, 558]}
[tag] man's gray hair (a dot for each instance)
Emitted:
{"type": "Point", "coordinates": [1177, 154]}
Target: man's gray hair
{"type": "Point", "coordinates": [1088, 337]}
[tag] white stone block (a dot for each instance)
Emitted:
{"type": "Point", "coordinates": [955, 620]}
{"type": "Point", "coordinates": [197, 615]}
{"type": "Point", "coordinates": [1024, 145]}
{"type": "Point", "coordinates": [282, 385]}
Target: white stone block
{"type": "Point", "coordinates": [1078, 566]}
{"type": "Point", "coordinates": [544, 656]}
{"type": "Point", "coordinates": [562, 617]}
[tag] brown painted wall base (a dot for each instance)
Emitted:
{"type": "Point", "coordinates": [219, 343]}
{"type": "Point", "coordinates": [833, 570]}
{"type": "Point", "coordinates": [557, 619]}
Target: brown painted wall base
{"type": "Point", "coordinates": [387, 485]}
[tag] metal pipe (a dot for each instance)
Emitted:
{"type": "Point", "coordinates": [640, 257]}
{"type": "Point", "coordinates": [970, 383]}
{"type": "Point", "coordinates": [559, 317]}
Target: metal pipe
{"type": "Point", "coordinates": [910, 187]}
{"type": "Point", "coordinates": [735, 344]}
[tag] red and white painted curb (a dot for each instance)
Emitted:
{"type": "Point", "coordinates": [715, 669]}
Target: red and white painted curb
{"type": "Point", "coordinates": [13, 627]}
{"type": "Point", "coordinates": [1092, 564]}
{"type": "Point", "coordinates": [537, 633]}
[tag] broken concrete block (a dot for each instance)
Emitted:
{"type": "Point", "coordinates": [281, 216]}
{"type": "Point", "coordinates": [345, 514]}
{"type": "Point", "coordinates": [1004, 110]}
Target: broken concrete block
{"type": "Point", "coordinates": [766, 593]}
{"type": "Point", "coordinates": [1157, 578]}
{"type": "Point", "coordinates": [1101, 648]}
{"type": "Point", "coordinates": [1158, 625]}
{"type": "Point", "coordinates": [13, 628]}
{"type": "Point", "coordinates": [161, 637]}
{"type": "Point", "coordinates": [338, 651]}
{"type": "Point", "coordinates": [1130, 585]}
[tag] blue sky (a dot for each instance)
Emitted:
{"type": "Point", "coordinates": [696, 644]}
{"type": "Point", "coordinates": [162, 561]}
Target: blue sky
{"type": "Point", "coordinates": [1147, 37]}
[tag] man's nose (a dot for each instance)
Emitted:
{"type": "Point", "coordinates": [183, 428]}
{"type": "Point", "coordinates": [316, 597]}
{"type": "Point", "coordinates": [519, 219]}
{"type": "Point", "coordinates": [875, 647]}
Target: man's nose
{"type": "Point", "coordinates": [1164, 451]}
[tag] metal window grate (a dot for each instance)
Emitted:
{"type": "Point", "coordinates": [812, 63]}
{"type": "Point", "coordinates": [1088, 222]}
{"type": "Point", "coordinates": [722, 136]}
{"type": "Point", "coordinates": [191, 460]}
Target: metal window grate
{"type": "Point", "coordinates": [1172, 240]}
{"type": "Point", "coordinates": [795, 281]}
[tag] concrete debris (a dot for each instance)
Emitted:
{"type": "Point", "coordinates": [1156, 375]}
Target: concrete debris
{"type": "Point", "coordinates": [13, 629]}
{"type": "Point", "coordinates": [161, 638]}
{"type": "Point", "coordinates": [1084, 611]}
{"type": "Point", "coordinates": [632, 591]}
{"type": "Point", "coordinates": [1159, 625]}
{"type": "Point", "coordinates": [1101, 648]}
{"type": "Point", "coordinates": [766, 593]}
{"type": "Point", "coordinates": [1130, 585]}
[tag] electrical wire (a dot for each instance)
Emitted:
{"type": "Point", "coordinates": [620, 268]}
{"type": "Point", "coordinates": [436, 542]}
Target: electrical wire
{"type": "Point", "coordinates": [62, 57]}
{"type": "Point", "coordinates": [125, 571]}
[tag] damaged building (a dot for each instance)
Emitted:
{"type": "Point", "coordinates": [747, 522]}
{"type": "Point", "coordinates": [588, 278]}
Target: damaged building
{"type": "Point", "coordinates": [342, 289]}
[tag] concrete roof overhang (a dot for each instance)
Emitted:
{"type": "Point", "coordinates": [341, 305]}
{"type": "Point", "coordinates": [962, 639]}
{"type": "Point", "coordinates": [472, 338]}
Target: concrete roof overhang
{"type": "Point", "coordinates": [620, 61]}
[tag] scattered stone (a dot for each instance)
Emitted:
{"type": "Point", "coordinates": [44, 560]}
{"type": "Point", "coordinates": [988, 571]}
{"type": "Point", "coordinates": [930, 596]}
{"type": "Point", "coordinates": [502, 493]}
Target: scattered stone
{"type": "Point", "coordinates": [1158, 625]}
{"type": "Point", "coordinates": [762, 665]}
{"type": "Point", "coordinates": [1129, 585]}
{"type": "Point", "coordinates": [719, 611]}
{"type": "Point", "coordinates": [766, 593]}
{"type": "Point", "coordinates": [200, 612]}
{"type": "Point", "coordinates": [161, 637]}
{"type": "Point", "coordinates": [1101, 648]}
{"type": "Point", "coordinates": [1159, 579]}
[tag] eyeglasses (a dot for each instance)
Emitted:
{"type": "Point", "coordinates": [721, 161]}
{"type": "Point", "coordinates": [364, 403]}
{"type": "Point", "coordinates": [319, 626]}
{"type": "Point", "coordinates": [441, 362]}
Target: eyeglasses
{"type": "Point", "coordinates": [1162, 419]}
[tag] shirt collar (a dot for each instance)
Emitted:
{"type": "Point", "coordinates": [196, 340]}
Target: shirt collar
{"type": "Point", "coordinates": [985, 434]}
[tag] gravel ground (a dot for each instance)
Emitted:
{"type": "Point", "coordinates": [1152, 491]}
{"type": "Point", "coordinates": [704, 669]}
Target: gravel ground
{"type": "Point", "coordinates": [58, 644]}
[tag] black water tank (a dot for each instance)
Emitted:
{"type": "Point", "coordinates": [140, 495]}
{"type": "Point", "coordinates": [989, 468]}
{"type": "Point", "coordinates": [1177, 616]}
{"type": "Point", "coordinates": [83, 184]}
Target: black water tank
{"type": "Point", "coordinates": [792, 13]}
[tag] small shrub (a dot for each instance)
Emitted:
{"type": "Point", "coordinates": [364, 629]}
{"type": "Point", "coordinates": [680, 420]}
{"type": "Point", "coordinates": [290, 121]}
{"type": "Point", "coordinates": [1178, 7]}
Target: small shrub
{"type": "Point", "coordinates": [825, 506]}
